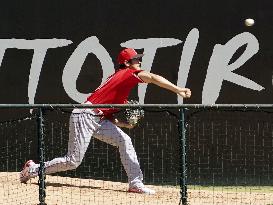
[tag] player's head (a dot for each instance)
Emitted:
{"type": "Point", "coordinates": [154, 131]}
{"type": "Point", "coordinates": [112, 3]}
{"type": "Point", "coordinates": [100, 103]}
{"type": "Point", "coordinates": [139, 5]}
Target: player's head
{"type": "Point", "coordinates": [128, 57]}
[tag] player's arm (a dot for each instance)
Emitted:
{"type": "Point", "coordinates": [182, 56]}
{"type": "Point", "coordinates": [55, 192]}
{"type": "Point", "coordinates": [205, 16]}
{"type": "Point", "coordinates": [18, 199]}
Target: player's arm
{"type": "Point", "coordinates": [164, 83]}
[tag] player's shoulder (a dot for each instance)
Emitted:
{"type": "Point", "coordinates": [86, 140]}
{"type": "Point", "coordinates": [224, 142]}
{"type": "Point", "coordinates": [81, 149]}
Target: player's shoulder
{"type": "Point", "coordinates": [143, 72]}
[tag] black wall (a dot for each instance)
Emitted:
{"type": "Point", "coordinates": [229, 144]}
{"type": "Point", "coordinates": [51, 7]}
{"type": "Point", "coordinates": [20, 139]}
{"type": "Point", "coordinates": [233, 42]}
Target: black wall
{"type": "Point", "coordinates": [114, 22]}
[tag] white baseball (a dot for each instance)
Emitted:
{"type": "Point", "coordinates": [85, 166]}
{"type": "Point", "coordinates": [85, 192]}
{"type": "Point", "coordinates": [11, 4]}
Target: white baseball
{"type": "Point", "coordinates": [249, 22]}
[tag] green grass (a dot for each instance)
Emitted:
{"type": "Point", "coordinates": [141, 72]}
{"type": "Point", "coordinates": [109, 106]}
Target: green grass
{"type": "Point", "coordinates": [250, 189]}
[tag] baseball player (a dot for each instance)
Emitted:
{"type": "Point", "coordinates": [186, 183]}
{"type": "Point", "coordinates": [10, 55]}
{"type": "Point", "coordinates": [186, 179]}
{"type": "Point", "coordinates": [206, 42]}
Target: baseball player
{"type": "Point", "coordinates": [101, 123]}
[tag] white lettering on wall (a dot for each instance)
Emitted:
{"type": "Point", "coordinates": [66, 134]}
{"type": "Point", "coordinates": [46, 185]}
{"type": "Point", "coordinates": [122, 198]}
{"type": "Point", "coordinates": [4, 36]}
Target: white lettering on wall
{"type": "Point", "coordinates": [219, 68]}
{"type": "Point", "coordinates": [186, 59]}
{"type": "Point", "coordinates": [74, 64]}
{"type": "Point", "coordinates": [40, 47]}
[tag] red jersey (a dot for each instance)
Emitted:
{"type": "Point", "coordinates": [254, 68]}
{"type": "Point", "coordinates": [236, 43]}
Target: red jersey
{"type": "Point", "coordinates": [115, 90]}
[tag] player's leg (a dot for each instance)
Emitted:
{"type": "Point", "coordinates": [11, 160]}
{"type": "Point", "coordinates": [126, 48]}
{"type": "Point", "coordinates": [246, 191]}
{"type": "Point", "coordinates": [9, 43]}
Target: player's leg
{"type": "Point", "coordinates": [81, 127]}
{"type": "Point", "coordinates": [111, 134]}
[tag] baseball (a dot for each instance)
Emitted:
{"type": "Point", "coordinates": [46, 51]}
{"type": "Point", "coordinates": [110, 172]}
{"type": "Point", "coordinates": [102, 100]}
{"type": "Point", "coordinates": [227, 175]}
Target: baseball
{"type": "Point", "coordinates": [249, 22]}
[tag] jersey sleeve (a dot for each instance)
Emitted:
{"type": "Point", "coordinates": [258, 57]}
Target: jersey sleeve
{"type": "Point", "coordinates": [135, 73]}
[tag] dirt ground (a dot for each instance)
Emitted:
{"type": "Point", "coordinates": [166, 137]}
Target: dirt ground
{"type": "Point", "coordinates": [73, 191]}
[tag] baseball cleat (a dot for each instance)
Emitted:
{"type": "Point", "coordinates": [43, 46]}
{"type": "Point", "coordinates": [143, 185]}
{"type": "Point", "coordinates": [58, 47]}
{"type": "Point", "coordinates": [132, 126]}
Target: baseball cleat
{"type": "Point", "coordinates": [141, 190]}
{"type": "Point", "coordinates": [25, 174]}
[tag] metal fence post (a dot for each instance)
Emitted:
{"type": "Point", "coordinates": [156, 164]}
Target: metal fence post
{"type": "Point", "coordinates": [41, 181]}
{"type": "Point", "coordinates": [182, 149]}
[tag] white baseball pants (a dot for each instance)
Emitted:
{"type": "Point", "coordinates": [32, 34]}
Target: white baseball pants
{"type": "Point", "coordinates": [83, 125]}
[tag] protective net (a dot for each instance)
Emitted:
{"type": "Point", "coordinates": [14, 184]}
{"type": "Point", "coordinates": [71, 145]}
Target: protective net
{"type": "Point", "coordinates": [228, 154]}
{"type": "Point", "coordinates": [18, 143]}
{"type": "Point", "coordinates": [101, 177]}
{"type": "Point", "coordinates": [230, 157]}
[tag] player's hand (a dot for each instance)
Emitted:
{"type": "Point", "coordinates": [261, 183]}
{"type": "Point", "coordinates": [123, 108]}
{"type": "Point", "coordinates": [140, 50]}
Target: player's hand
{"type": "Point", "coordinates": [123, 124]}
{"type": "Point", "coordinates": [129, 126]}
{"type": "Point", "coordinates": [185, 93]}
{"type": "Point", "coordinates": [126, 125]}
